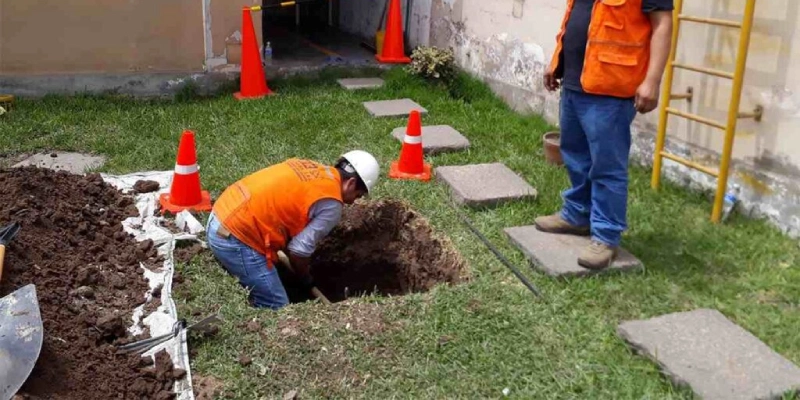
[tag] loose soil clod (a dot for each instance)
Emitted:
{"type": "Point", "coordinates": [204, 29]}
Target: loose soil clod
{"type": "Point", "coordinates": [244, 360]}
{"type": "Point", "coordinates": [381, 247]}
{"type": "Point", "coordinates": [86, 269]}
{"type": "Point", "coordinates": [146, 186]}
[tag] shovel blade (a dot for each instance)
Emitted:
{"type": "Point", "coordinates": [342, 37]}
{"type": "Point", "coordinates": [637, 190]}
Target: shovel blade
{"type": "Point", "coordinates": [8, 232]}
{"type": "Point", "coordinates": [21, 334]}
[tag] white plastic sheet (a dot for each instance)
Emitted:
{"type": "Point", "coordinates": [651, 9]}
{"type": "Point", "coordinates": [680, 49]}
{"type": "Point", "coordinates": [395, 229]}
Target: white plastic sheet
{"type": "Point", "coordinates": [146, 226]}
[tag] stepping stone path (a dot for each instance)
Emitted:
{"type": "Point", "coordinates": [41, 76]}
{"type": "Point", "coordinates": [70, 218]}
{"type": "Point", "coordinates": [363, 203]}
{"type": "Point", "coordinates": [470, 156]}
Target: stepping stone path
{"type": "Point", "coordinates": [484, 185]}
{"type": "Point", "coordinates": [393, 108]}
{"type": "Point", "coordinates": [361, 83]}
{"type": "Point", "coordinates": [437, 139]}
{"type": "Point", "coordinates": [75, 163]}
{"type": "Point", "coordinates": [557, 255]}
{"type": "Point", "coordinates": [715, 357]}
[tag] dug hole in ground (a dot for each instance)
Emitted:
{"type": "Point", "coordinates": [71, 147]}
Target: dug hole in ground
{"type": "Point", "coordinates": [102, 263]}
{"type": "Point", "coordinates": [380, 247]}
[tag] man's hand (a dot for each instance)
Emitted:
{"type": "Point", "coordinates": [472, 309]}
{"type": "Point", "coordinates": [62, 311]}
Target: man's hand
{"type": "Point", "coordinates": [647, 96]}
{"type": "Point", "coordinates": [550, 81]}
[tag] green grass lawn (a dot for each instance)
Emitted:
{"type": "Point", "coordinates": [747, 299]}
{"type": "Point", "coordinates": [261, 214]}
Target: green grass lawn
{"type": "Point", "coordinates": [466, 341]}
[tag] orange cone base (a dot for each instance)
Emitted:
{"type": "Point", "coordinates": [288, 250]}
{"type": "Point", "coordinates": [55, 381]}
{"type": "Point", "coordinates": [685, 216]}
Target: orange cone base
{"type": "Point", "coordinates": [240, 96]}
{"type": "Point", "coordinates": [392, 60]}
{"type": "Point", "coordinates": [204, 205]}
{"type": "Point", "coordinates": [395, 173]}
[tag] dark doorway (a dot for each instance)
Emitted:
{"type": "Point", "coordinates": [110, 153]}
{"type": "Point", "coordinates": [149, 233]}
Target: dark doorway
{"type": "Point", "coordinates": [306, 34]}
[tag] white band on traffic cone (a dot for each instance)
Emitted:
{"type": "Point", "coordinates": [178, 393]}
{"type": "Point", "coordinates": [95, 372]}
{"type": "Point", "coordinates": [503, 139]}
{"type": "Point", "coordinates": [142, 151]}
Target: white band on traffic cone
{"type": "Point", "coordinates": [186, 169]}
{"type": "Point", "coordinates": [412, 139]}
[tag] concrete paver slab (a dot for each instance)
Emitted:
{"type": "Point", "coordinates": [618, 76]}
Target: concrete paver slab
{"type": "Point", "coordinates": [557, 255]}
{"type": "Point", "coordinates": [360, 83]}
{"type": "Point", "coordinates": [437, 139]}
{"type": "Point", "coordinates": [75, 163]}
{"type": "Point", "coordinates": [715, 357]}
{"type": "Point", "coordinates": [393, 108]}
{"type": "Point", "coordinates": [484, 185]}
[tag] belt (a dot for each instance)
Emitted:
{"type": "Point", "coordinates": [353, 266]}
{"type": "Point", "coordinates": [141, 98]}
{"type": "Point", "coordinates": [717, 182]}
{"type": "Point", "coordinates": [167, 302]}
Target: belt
{"type": "Point", "coordinates": [222, 232]}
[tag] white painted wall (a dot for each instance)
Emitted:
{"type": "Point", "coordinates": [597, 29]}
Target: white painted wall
{"type": "Point", "coordinates": [773, 61]}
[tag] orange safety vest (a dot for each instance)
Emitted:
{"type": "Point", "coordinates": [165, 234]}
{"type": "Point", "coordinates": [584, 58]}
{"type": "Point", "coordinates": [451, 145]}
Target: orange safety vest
{"type": "Point", "coordinates": [267, 208]}
{"type": "Point", "coordinates": [617, 49]}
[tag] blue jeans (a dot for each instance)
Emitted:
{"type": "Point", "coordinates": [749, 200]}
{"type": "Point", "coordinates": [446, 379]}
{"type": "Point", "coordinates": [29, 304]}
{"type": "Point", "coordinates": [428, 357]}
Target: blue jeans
{"type": "Point", "coordinates": [595, 144]}
{"type": "Point", "coordinates": [249, 266]}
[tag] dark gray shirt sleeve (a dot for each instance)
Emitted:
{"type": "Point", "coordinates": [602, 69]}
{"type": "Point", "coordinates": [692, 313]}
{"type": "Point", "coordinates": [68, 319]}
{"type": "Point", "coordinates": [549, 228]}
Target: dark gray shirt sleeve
{"type": "Point", "coordinates": [656, 5]}
{"type": "Point", "coordinates": [323, 217]}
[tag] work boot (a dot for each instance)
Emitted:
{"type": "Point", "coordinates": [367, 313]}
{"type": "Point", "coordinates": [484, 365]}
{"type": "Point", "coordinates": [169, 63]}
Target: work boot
{"type": "Point", "coordinates": [555, 224]}
{"type": "Point", "coordinates": [597, 256]}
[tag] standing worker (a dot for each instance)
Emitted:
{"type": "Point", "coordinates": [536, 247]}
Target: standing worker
{"type": "Point", "coordinates": [609, 59]}
{"type": "Point", "coordinates": [296, 202]}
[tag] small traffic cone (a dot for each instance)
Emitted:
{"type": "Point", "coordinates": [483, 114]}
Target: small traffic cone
{"type": "Point", "coordinates": [253, 81]}
{"type": "Point", "coordinates": [185, 192]}
{"type": "Point", "coordinates": [393, 51]}
{"type": "Point", "coordinates": [411, 164]}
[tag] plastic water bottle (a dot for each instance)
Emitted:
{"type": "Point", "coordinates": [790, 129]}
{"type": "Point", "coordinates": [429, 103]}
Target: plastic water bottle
{"type": "Point", "coordinates": [731, 198]}
{"type": "Point", "coordinates": [268, 54]}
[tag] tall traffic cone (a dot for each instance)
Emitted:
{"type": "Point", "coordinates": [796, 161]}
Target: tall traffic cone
{"type": "Point", "coordinates": [253, 83]}
{"type": "Point", "coordinates": [411, 164]}
{"type": "Point", "coordinates": [185, 192]}
{"type": "Point", "coordinates": [393, 50]}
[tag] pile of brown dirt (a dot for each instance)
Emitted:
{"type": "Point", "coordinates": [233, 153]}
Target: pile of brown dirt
{"type": "Point", "coordinates": [381, 247]}
{"type": "Point", "coordinates": [156, 381]}
{"type": "Point", "coordinates": [88, 279]}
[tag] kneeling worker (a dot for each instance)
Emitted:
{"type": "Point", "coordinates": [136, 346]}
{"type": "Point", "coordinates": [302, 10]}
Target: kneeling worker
{"type": "Point", "coordinates": [296, 202]}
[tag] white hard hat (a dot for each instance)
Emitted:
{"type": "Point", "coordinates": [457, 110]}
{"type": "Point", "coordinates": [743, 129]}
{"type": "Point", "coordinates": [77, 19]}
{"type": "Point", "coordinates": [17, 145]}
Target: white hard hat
{"type": "Point", "coordinates": [366, 166]}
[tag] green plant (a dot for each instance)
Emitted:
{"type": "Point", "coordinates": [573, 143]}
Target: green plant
{"type": "Point", "coordinates": [433, 63]}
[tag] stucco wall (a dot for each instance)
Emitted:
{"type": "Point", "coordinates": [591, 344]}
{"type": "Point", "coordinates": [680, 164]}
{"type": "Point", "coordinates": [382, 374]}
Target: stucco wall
{"type": "Point", "coordinates": [508, 43]}
{"type": "Point", "coordinates": [48, 37]}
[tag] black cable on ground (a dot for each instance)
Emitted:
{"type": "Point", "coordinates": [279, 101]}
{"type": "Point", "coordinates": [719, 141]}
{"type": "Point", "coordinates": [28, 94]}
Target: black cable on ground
{"type": "Point", "coordinates": [497, 253]}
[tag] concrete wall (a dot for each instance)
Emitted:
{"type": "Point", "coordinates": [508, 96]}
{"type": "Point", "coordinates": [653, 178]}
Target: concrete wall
{"type": "Point", "coordinates": [48, 37]}
{"type": "Point", "coordinates": [362, 18]}
{"type": "Point", "coordinates": [508, 43]}
{"type": "Point", "coordinates": [222, 23]}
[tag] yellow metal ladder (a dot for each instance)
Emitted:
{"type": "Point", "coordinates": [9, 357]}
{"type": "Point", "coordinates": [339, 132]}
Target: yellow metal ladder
{"type": "Point", "coordinates": [734, 114]}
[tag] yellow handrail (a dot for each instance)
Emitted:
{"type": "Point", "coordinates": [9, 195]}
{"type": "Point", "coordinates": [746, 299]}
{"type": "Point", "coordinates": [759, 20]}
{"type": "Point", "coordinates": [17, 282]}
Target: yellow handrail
{"type": "Point", "coordinates": [661, 135]}
{"type": "Point", "coordinates": [733, 109]}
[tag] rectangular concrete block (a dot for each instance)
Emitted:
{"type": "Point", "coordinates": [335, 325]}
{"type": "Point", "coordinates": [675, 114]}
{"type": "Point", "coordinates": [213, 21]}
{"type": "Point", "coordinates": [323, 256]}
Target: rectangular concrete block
{"type": "Point", "coordinates": [437, 139]}
{"type": "Point", "coordinates": [393, 108]}
{"type": "Point", "coordinates": [484, 185]}
{"type": "Point", "coordinates": [75, 163]}
{"type": "Point", "coordinates": [557, 255]}
{"type": "Point", "coordinates": [715, 357]}
{"type": "Point", "coordinates": [360, 83]}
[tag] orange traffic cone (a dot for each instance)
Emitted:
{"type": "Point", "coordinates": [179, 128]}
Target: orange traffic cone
{"type": "Point", "coordinates": [393, 50]}
{"type": "Point", "coordinates": [411, 164]}
{"type": "Point", "coordinates": [185, 192]}
{"type": "Point", "coordinates": [253, 83]}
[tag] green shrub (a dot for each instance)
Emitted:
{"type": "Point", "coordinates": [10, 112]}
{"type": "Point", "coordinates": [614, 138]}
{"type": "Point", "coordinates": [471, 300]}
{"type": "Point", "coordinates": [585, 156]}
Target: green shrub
{"type": "Point", "coordinates": [433, 63]}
